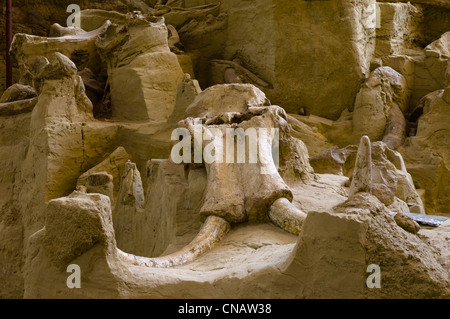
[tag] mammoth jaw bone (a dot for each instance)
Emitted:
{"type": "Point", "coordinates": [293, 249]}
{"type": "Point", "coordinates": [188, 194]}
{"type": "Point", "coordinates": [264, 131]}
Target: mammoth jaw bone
{"type": "Point", "coordinates": [286, 216]}
{"type": "Point", "coordinates": [213, 231]}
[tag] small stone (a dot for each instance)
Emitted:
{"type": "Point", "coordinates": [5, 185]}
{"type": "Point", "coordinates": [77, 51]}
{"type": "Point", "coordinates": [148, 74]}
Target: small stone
{"type": "Point", "coordinates": [407, 223]}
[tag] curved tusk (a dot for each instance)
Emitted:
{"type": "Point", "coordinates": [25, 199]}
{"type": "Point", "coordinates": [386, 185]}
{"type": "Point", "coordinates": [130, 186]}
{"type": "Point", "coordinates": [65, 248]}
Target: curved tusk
{"type": "Point", "coordinates": [213, 231]}
{"type": "Point", "coordinates": [286, 216]}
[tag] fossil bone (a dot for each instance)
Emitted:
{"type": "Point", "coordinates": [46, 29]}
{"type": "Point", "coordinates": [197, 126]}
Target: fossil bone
{"type": "Point", "coordinates": [223, 71]}
{"type": "Point", "coordinates": [236, 191]}
{"type": "Point", "coordinates": [286, 216]}
{"type": "Point", "coordinates": [362, 175]}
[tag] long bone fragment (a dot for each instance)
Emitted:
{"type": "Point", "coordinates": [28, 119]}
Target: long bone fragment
{"type": "Point", "coordinates": [362, 174]}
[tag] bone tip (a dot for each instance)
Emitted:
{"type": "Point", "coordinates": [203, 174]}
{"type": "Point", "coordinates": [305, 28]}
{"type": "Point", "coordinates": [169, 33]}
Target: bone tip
{"type": "Point", "coordinates": [365, 141]}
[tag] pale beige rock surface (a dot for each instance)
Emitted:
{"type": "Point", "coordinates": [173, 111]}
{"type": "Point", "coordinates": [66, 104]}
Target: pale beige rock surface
{"type": "Point", "coordinates": [397, 25]}
{"type": "Point", "coordinates": [439, 3]}
{"type": "Point", "coordinates": [380, 169]}
{"type": "Point", "coordinates": [407, 223]}
{"type": "Point", "coordinates": [379, 107]}
{"type": "Point", "coordinates": [18, 92]}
